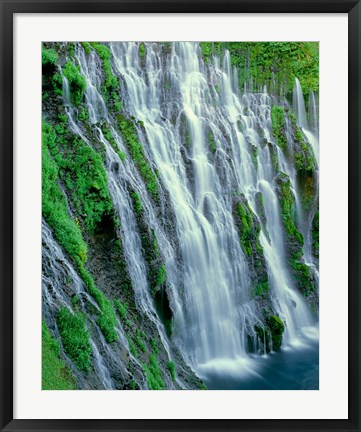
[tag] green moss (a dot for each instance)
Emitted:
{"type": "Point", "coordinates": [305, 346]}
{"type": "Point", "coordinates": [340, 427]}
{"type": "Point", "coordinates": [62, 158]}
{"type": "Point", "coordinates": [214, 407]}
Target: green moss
{"type": "Point", "coordinates": [129, 132]}
{"type": "Point", "coordinates": [132, 348]}
{"type": "Point", "coordinates": [154, 346]}
{"type": "Point", "coordinates": [122, 309]}
{"type": "Point", "coordinates": [54, 207]}
{"type": "Point", "coordinates": [107, 132]}
{"type": "Point", "coordinates": [153, 374]}
{"type": "Point", "coordinates": [55, 374]}
{"type": "Point", "coordinates": [211, 142]}
{"type": "Point", "coordinates": [162, 275]}
{"type": "Point", "coordinates": [85, 177]}
{"type": "Point", "coordinates": [48, 57]}
{"type": "Point", "coordinates": [278, 125]}
{"type": "Point", "coordinates": [288, 209]}
{"type": "Point", "coordinates": [171, 369]}
{"type": "Point", "coordinates": [86, 47]}
{"type": "Point", "coordinates": [138, 341]}
{"type": "Point", "coordinates": [142, 50]}
{"type": "Point", "coordinates": [111, 82]}
{"type": "Point", "coordinates": [271, 63]}
{"type": "Point", "coordinates": [246, 224]}
{"type": "Point", "coordinates": [137, 202]}
{"type": "Point", "coordinates": [83, 114]}
{"type": "Point", "coordinates": [75, 338]}
{"type": "Point", "coordinates": [260, 288]}
{"type": "Point", "coordinates": [77, 83]}
{"type": "Point", "coordinates": [277, 328]}
{"type": "Point", "coordinates": [107, 319]}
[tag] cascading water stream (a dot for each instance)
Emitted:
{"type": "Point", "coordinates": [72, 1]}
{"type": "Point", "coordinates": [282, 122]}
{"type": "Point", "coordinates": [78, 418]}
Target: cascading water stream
{"type": "Point", "coordinates": [179, 102]}
{"type": "Point", "coordinates": [60, 283]}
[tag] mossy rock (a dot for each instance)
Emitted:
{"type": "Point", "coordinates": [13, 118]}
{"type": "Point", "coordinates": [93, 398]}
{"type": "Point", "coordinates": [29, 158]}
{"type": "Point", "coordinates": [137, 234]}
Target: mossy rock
{"type": "Point", "coordinates": [277, 328]}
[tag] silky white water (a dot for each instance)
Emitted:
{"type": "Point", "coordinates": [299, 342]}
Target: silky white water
{"type": "Point", "coordinates": [179, 100]}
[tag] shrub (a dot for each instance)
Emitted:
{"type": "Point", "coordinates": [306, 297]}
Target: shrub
{"type": "Point", "coordinates": [153, 374]}
{"type": "Point", "coordinates": [278, 125]}
{"type": "Point", "coordinates": [77, 83]}
{"type": "Point", "coordinates": [48, 57]}
{"type": "Point", "coordinates": [129, 133]}
{"type": "Point", "coordinates": [75, 338]}
{"type": "Point", "coordinates": [55, 374]}
{"type": "Point", "coordinates": [171, 368]}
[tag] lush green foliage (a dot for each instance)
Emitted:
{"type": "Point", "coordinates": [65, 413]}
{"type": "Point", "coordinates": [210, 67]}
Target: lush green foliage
{"type": "Point", "coordinates": [137, 202]}
{"type": "Point", "coordinates": [83, 114]}
{"type": "Point", "coordinates": [142, 50]}
{"type": "Point", "coordinates": [138, 341]}
{"type": "Point", "coordinates": [83, 173]}
{"type": "Point", "coordinates": [171, 368]}
{"type": "Point", "coordinates": [85, 178]}
{"type": "Point", "coordinates": [48, 57]}
{"type": "Point", "coordinates": [153, 374]}
{"type": "Point", "coordinates": [212, 142]}
{"type": "Point", "coordinates": [277, 328]}
{"type": "Point", "coordinates": [122, 309]}
{"type": "Point", "coordinates": [55, 373]}
{"type": "Point", "coordinates": [75, 338]}
{"type": "Point", "coordinates": [107, 132]}
{"type": "Point", "coordinates": [111, 82]}
{"type": "Point", "coordinates": [86, 47]}
{"type": "Point", "coordinates": [266, 62]}
{"type": "Point", "coordinates": [278, 125]}
{"type": "Point", "coordinates": [129, 133]}
{"type": "Point", "coordinates": [54, 208]}
{"type": "Point", "coordinates": [288, 209]}
{"type": "Point", "coordinates": [77, 83]}
{"type": "Point", "coordinates": [107, 320]}
{"type": "Point", "coordinates": [248, 230]}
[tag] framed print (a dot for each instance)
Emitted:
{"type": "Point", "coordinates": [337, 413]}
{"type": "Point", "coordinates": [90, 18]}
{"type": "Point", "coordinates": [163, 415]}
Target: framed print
{"type": "Point", "coordinates": [180, 213]}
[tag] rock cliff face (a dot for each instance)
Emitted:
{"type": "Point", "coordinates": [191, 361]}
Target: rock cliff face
{"type": "Point", "coordinates": [180, 215]}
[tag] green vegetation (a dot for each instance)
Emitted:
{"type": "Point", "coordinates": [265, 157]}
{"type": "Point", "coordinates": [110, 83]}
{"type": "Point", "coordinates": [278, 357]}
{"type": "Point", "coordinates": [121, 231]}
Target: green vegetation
{"type": "Point", "coordinates": [212, 142]}
{"type": "Point", "coordinates": [83, 114]}
{"type": "Point", "coordinates": [138, 341]}
{"type": "Point", "coordinates": [248, 230]}
{"type": "Point", "coordinates": [107, 319]}
{"type": "Point", "coordinates": [154, 345]}
{"type": "Point", "coordinates": [84, 175]}
{"type": "Point", "coordinates": [271, 61]}
{"type": "Point", "coordinates": [162, 275]}
{"type": "Point", "coordinates": [75, 338]}
{"type": "Point", "coordinates": [107, 132]}
{"type": "Point", "coordinates": [111, 83]}
{"type": "Point", "coordinates": [129, 132]}
{"type": "Point", "coordinates": [260, 288]}
{"type": "Point", "coordinates": [278, 125]}
{"type": "Point", "coordinates": [77, 83]}
{"type": "Point", "coordinates": [171, 369]}
{"type": "Point", "coordinates": [142, 50]}
{"type": "Point", "coordinates": [137, 202]}
{"type": "Point", "coordinates": [153, 374]}
{"type": "Point", "coordinates": [55, 373]}
{"type": "Point", "coordinates": [122, 309]}
{"type": "Point", "coordinates": [277, 328]}
{"type": "Point", "coordinates": [86, 47]}
{"type": "Point", "coordinates": [83, 172]}
{"type": "Point", "coordinates": [304, 158]}
{"type": "Point", "coordinates": [54, 208]}
{"type": "Point", "coordinates": [48, 57]}
{"type": "Point", "coordinates": [288, 208]}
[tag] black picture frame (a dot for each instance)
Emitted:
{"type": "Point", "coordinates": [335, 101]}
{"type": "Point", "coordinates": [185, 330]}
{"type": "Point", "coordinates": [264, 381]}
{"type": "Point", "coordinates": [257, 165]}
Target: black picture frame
{"type": "Point", "coordinates": [7, 9]}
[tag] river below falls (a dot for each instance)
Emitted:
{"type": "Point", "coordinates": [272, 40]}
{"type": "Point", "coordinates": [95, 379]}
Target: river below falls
{"type": "Point", "coordinates": [294, 367]}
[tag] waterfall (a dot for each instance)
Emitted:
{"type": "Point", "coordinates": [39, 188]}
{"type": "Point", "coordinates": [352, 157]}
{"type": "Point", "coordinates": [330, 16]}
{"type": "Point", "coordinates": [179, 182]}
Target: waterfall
{"type": "Point", "coordinates": [60, 283]}
{"type": "Point", "coordinates": [209, 145]}
{"type": "Point", "coordinates": [299, 105]}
